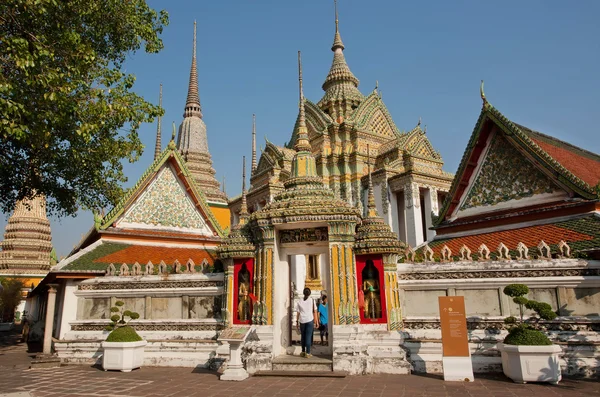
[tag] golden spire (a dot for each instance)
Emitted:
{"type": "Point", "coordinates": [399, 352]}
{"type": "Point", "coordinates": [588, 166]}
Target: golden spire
{"type": "Point", "coordinates": [253, 169]}
{"type": "Point", "coordinates": [244, 210]}
{"type": "Point", "coordinates": [371, 208]}
{"type": "Point", "coordinates": [158, 146]}
{"type": "Point", "coordinates": [302, 143]}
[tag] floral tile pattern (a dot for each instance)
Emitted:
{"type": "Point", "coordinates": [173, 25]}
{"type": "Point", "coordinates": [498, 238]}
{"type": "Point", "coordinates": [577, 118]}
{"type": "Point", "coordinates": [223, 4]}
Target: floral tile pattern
{"type": "Point", "coordinates": [166, 203]}
{"type": "Point", "coordinates": [506, 175]}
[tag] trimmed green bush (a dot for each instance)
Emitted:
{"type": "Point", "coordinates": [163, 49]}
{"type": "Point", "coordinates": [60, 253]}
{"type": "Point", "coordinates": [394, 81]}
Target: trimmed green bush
{"type": "Point", "coordinates": [124, 334]}
{"type": "Point", "coordinates": [525, 336]}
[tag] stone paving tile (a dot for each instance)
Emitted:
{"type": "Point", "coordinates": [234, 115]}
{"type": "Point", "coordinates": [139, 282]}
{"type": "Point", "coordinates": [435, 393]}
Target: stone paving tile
{"type": "Point", "coordinates": [88, 381]}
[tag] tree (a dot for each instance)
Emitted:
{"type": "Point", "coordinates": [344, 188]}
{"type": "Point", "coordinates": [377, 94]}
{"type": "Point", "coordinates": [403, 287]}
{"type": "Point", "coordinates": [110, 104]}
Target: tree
{"type": "Point", "coordinates": [10, 297]}
{"type": "Point", "coordinates": [68, 113]}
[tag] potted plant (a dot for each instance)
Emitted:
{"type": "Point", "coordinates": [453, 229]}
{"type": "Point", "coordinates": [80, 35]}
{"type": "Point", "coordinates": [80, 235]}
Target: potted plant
{"type": "Point", "coordinates": [527, 353]}
{"type": "Point", "coordinates": [123, 348]}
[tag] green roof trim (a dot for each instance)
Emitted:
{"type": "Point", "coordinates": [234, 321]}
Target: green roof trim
{"type": "Point", "coordinates": [169, 153]}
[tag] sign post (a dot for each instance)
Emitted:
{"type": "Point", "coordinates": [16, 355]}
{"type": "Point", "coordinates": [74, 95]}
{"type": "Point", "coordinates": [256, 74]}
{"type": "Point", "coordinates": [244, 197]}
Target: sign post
{"type": "Point", "coordinates": [235, 337]}
{"type": "Point", "coordinates": [456, 357]}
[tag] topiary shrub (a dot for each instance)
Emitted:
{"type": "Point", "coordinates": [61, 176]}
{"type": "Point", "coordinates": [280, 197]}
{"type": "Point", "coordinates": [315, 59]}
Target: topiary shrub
{"type": "Point", "coordinates": [524, 335]}
{"type": "Point", "coordinates": [521, 333]}
{"type": "Point", "coordinates": [124, 334]}
{"type": "Point", "coordinates": [120, 330]}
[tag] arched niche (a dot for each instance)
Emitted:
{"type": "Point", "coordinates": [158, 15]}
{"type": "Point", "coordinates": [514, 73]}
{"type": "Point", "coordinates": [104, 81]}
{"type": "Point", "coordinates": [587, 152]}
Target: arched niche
{"type": "Point", "coordinates": [243, 285]}
{"type": "Point", "coordinates": [371, 289]}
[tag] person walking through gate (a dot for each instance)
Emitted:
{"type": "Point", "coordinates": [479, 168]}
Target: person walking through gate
{"type": "Point", "coordinates": [306, 321]}
{"type": "Point", "coordinates": [323, 320]}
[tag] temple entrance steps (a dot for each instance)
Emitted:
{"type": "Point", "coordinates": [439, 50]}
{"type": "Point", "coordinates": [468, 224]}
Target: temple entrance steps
{"type": "Point", "coordinates": [288, 365]}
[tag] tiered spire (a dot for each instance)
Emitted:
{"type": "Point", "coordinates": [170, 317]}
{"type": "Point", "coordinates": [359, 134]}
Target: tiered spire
{"type": "Point", "coordinates": [27, 241]}
{"type": "Point", "coordinates": [253, 169]}
{"type": "Point", "coordinates": [340, 86]}
{"type": "Point", "coordinates": [193, 142]}
{"type": "Point", "coordinates": [192, 105]}
{"type": "Point", "coordinates": [302, 143]}
{"type": "Point", "coordinates": [158, 146]}
{"type": "Point", "coordinates": [244, 210]}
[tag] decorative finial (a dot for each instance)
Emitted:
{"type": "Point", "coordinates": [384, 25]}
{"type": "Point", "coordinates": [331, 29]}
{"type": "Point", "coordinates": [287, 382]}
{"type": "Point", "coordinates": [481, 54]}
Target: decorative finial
{"type": "Point", "coordinates": [253, 169]}
{"type": "Point", "coordinates": [224, 191]}
{"type": "Point", "coordinates": [302, 143]}
{"type": "Point", "coordinates": [376, 85]}
{"type": "Point", "coordinates": [419, 123]}
{"type": "Point", "coordinates": [425, 129]}
{"type": "Point", "coordinates": [371, 208]}
{"type": "Point", "coordinates": [337, 39]}
{"type": "Point", "coordinates": [158, 146]}
{"type": "Point", "coordinates": [482, 93]}
{"type": "Point", "coordinates": [172, 141]}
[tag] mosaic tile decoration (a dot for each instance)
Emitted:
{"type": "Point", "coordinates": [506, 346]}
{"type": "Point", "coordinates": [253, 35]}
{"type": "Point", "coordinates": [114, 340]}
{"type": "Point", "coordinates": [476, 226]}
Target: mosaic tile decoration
{"type": "Point", "coordinates": [166, 203]}
{"type": "Point", "coordinates": [506, 175]}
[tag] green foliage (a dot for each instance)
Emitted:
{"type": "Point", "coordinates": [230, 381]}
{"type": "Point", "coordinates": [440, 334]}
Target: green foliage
{"type": "Point", "coordinates": [118, 320]}
{"type": "Point", "coordinates": [124, 334]}
{"type": "Point", "coordinates": [523, 334]}
{"type": "Point", "coordinates": [10, 297]}
{"type": "Point", "coordinates": [510, 320]}
{"type": "Point", "coordinates": [520, 300]}
{"type": "Point", "coordinates": [69, 114]}
{"type": "Point", "coordinates": [526, 336]}
{"type": "Point", "coordinates": [515, 290]}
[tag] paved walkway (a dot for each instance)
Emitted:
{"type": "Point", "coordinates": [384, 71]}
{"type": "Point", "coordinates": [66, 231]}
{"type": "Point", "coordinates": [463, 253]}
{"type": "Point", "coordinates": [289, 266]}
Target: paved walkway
{"type": "Point", "coordinates": [15, 377]}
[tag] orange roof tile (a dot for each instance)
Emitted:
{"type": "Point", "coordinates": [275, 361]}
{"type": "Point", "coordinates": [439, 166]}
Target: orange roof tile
{"type": "Point", "coordinates": [142, 254]}
{"type": "Point", "coordinates": [530, 236]}
{"type": "Point", "coordinates": [585, 168]}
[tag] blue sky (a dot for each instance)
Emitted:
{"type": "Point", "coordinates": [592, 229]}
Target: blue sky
{"type": "Point", "coordinates": [539, 60]}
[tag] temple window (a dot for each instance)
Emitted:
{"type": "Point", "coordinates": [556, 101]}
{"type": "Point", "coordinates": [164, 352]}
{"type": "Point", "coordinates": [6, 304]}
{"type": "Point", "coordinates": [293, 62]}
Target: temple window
{"type": "Point", "coordinates": [243, 284]}
{"type": "Point", "coordinates": [313, 267]}
{"type": "Point", "coordinates": [371, 289]}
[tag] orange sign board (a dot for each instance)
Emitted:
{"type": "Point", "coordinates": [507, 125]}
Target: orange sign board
{"type": "Point", "coordinates": [455, 340]}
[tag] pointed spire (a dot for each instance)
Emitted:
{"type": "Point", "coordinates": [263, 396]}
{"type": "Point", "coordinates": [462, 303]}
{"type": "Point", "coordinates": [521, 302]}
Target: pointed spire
{"type": "Point", "coordinates": [158, 146]}
{"type": "Point", "coordinates": [371, 208]}
{"type": "Point", "coordinates": [224, 191]}
{"type": "Point", "coordinates": [244, 210]}
{"type": "Point", "coordinates": [337, 39]}
{"type": "Point", "coordinates": [192, 105]}
{"type": "Point", "coordinates": [302, 143]}
{"type": "Point", "coordinates": [253, 169]}
{"type": "Point", "coordinates": [483, 98]}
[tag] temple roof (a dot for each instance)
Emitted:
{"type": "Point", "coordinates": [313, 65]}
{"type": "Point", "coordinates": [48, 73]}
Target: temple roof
{"type": "Point", "coordinates": [563, 165]}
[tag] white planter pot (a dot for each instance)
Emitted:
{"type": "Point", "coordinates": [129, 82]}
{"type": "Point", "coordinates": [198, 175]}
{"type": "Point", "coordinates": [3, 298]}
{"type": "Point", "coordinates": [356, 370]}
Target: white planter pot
{"type": "Point", "coordinates": [531, 363]}
{"type": "Point", "coordinates": [123, 356]}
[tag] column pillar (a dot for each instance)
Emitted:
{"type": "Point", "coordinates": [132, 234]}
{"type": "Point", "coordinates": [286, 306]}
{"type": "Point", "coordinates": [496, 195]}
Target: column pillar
{"type": "Point", "coordinates": [414, 223]}
{"type": "Point", "coordinates": [392, 292]}
{"type": "Point", "coordinates": [51, 302]}
{"type": "Point", "coordinates": [431, 207]}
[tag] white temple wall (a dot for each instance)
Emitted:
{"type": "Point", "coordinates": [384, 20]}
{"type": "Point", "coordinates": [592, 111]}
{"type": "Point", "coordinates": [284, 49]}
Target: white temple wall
{"type": "Point", "coordinates": [570, 286]}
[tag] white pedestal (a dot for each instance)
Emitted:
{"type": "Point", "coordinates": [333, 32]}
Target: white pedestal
{"type": "Point", "coordinates": [235, 368]}
{"type": "Point", "coordinates": [458, 369]}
